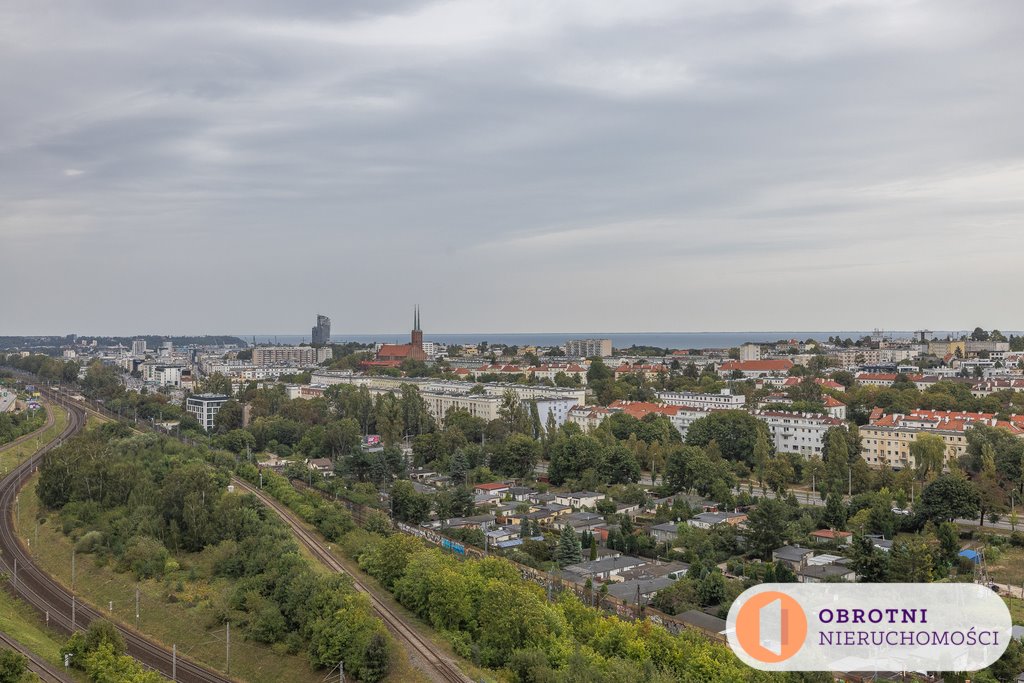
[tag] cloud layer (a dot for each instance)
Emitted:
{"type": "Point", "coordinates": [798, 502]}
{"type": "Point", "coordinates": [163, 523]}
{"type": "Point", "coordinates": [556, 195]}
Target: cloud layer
{"type": "Point", "coordinates": [511, 165]}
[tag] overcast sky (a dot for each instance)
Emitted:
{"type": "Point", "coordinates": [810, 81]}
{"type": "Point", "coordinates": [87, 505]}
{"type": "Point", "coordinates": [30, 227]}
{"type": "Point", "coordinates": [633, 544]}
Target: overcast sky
{"type": "Point", "coordinates": [510, 165]}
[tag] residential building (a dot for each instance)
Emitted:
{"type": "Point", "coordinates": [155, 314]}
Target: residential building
{"type": "Point", "coordinates": [639, 591]}
{"type": "Point", "coordinates": [886, 439]}
{"type": "Point", "coordinates": [750, 351]}
{"type": "Point", "coordinates": [706, 520]}
{"type": "Point", "coordinates": [666, 532]}
{"type": "Point", "coordinates": [681, 417]}
{"type": "Point", "coordinates": [752, 369]}
{"type": "Point", "coordinates": [798, 432]}
{"type": "Point", "coordinates": [204, 407]}
{"type": "Point", "coordinates": [322, 466]}
{"type": "Point", "coordinates": [139, 347]}
{"type": "Point", "coordinates": [587, 348]}
{"type": "Point", "coordinates": [823, 573]}
{"type": "Point", "coordinates": [647, 371]}
{"type": "Point", "coordinates": [723, 400]}
{"type": "Point", "coordinates": [302, 356]}
{"type": "Point", "coordinates": [579, 499]}
{"type": "Point", "coordinates": [792, 555]}
{"type": "Point", "coordinates": [831, 536]}
{"type": "Point", "coordinates": [606, 569]}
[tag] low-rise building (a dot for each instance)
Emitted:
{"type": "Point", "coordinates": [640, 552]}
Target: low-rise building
{"type": "Point", "coordinates": [706, 520]}
{"type": "Point", "coordinates": [792, 555]}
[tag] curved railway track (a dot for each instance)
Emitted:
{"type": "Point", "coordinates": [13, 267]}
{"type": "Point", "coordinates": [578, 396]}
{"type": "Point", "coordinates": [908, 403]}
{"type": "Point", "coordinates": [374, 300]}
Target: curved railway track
{"type": "Point", "coordinates": [49, 597]}
{"type": "Point", "coordinates": [396, 623]}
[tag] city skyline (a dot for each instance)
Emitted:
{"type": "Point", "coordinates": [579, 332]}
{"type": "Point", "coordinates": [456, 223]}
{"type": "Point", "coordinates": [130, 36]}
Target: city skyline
{"type": "Point", "coordinates": [793, 165]}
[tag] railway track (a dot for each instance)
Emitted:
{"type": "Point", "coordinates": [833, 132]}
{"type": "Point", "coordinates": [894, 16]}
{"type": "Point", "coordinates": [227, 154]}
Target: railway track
{"type": "Point", "coordinates": [36, 664]}
{"type": "Point", "coordinates": [25, 437]}
{"type": "Point", "coordinates": [439, 665]}
{"type": "Point", "coordinates": [65, 612]}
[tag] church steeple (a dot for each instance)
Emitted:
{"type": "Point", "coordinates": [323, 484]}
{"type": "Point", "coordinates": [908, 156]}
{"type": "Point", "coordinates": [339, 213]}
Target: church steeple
{"type": "Point", "coordinates": [417, 333]}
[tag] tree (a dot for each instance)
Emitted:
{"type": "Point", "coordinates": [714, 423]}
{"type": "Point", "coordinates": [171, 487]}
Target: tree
{"type": "Point", "coordinates": [217, 383]}
{"type": "Point", "coordinates": [767, 525]}
{"type": "Point", "coordinates": [735, 431]}
{"type": "Point", "coordinates": [569, 551]}
{"type": "Point", "coordinates": [991, 496]}
{"type": "Point", "coordinates": [778, 473]}
{"type": "Point", "coordinates": [762, 451]}
{"type": "Point", "coordinates": [947, 498]}
{"type": "Point", "coordinates": [929, 454]}
{"type": "Point", "coordinates": [836, 455]}
{"type": "Point", "coordinates": [870, 563]}
{"type": "Point", "coordinates": [517, 456]}
{"type": "Point", "coordinates": [949, 543]}
{"type": "Point", "coordinates": [229, 417]}
{"type": "Point", "coordinates": [407, 505]}
{"type": "Point", "coordinates": [835, 512]}
{"type": "Point", "coordinates": [620, 466]}
{"type": "Point", "coordinates": [13, 666]}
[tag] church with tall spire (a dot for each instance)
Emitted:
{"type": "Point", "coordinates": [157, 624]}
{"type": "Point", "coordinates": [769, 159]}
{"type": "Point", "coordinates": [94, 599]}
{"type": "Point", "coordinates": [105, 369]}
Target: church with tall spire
{"type": "Point", "coordinates": [392, 355]}
{"type": "Point", "coordinates": [417, 333]}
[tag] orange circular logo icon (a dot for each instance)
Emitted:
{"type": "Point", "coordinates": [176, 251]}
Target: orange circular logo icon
{"type": "Point", "coordinates": [771, 627]}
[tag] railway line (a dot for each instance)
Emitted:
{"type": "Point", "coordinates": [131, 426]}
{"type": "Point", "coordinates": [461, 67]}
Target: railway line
{"type": "Point", "coordinates": [36, 664]}
{"type": "Point", "coordinates": [64, 611]}
{"type": "Point", "coordinates": [439, 666]}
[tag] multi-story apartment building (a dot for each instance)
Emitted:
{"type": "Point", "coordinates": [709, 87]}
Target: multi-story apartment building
{"type": "Point", "coordinates": [681, 417]}
{"type": "Point", "coordinates": [303, 356]}
{"type": "Point", "coordinates": [724, 400]}
{"type": "Point", "coordinates": [204, 407]}
{"type": "Point", "coordinates": [802, 433]}
{"type": "Point", "coordinates": [586, 348]}
{"type": "Point", "coordinates": [163, 374]}
{"type": "Point", "coordinates": [886, 439]}
{"type": "Point", "coordinates": [139, 347]}
{"type": "Point", "coordinates": [756, 368]}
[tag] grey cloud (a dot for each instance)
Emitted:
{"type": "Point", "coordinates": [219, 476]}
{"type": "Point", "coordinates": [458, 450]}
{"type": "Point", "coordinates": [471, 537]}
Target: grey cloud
{"type": "Point", "coordinates": [679, 154]}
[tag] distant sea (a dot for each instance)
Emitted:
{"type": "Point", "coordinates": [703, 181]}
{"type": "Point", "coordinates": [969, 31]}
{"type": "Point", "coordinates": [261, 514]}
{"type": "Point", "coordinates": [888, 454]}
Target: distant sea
{"type": "Point", "coordinates": [620, 340]}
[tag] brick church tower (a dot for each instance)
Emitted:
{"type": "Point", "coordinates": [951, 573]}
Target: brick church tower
{"type": "Point", "coordinates": [417, 333]}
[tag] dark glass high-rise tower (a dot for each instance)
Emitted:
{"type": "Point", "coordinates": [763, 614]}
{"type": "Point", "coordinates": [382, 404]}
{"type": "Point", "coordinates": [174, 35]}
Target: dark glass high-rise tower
{"type": "Point", "coordinates": [322, 331]}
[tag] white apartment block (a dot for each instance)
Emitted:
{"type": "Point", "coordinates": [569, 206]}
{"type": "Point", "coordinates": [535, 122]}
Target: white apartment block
{"type": "Point", "coordinates": [750, 352]}
{"type": "Point", "coordinates": [802, 433]}
{"type": "Point", "coordinates": [724, 400]}
{"type": "Point", "coordinates": [585, 348]}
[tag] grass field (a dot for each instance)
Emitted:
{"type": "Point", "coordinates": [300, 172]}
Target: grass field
{"type": "Point", "coordinates": [10, 458]}
{"type": "Point", "coordinates": [1009, 568]}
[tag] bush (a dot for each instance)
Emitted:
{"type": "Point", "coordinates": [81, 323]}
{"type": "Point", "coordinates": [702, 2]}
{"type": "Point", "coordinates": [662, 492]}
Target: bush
{"type": "Point", "coordinates": [89, 543]}
{"type": "Point", "coordinates": [146, 557]}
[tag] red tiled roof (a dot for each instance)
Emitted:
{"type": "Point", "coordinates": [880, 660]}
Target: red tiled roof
{"type": "Point", "coordinates": [830, 533]}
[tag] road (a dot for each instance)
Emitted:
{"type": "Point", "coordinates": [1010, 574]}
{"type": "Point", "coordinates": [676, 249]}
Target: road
{"type": "Point", "coordinates": [47, 596]}
{"type": "Point", "coordinates": [431, 660]}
